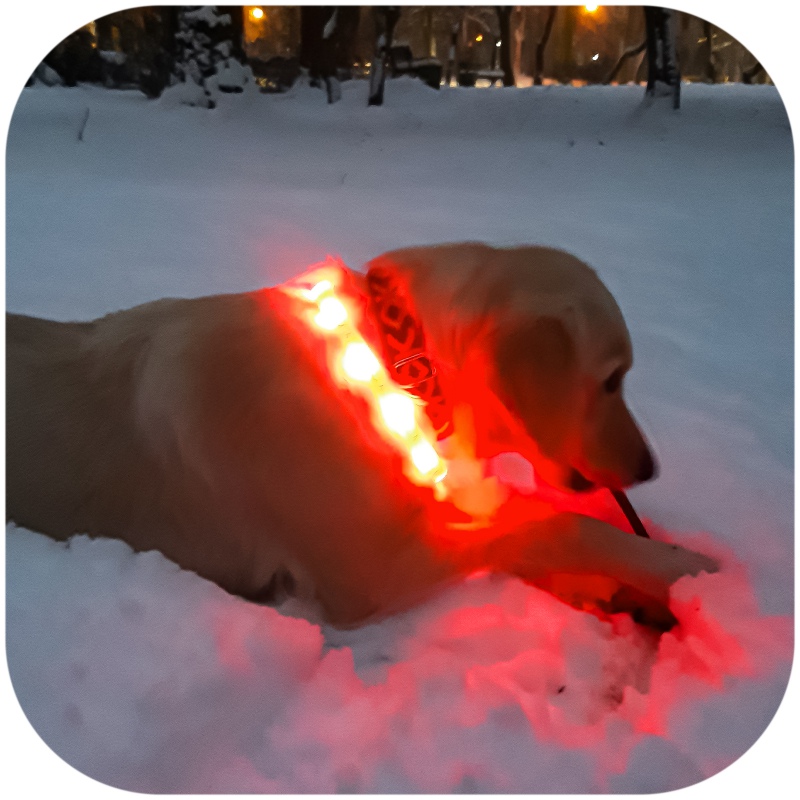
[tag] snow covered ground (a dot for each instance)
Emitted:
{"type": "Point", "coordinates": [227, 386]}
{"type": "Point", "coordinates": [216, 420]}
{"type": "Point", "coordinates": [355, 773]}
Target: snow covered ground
{"type": "Point", "coordinates": [150, 678]}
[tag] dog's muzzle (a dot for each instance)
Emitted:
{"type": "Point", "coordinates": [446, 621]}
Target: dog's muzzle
{"type": "Point", "coordinates": [645, 471]}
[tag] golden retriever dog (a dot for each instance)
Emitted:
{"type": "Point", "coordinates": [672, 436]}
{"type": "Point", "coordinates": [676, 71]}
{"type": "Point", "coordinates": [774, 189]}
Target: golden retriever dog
{"type": "Point", "coordinates": [210, 430]}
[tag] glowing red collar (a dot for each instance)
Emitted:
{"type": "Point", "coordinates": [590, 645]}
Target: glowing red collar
{"type": "Point", "coordinates": [403, 392]}
{"type": "Point", "coordinates": [407, 405]}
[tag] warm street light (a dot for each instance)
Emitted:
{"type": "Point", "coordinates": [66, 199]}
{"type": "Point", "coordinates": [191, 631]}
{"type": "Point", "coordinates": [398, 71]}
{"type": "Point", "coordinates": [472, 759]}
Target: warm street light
{"type": "Point", "coordinates": [257, 13]}
{"type": "Point", "coordinates": [590, 9]}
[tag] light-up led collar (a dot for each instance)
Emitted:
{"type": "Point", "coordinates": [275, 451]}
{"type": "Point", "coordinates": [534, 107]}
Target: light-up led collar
{"type": "Point", "coordinates": [402, 390]}
{"type": "Point", "coordinates": [397, 415]}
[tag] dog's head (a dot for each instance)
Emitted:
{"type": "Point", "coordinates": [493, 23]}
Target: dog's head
{"type": "Point", "coordinates": [560, 361]}
{"type": "Point", "coordinates": [573, 411]}
{"type": "Point", "coordinates": [542, 331]}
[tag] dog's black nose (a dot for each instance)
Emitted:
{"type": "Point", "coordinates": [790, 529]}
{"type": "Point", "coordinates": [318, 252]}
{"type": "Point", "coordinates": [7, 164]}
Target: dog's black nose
{"type": "Point", "coordinates": [648, 468]}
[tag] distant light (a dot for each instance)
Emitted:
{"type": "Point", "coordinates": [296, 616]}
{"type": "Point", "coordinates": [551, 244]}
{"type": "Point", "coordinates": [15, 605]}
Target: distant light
{"type": "Point", "coordinates": [499, 42]}
{"type": "Point", "coordinates": [257, 13]}
{"type": "Point", "coordinates": [479, 37]}
{"type": "Point", "coordinates": [595, 56]}
{"type": "Point", "coordinates": [590, 9]}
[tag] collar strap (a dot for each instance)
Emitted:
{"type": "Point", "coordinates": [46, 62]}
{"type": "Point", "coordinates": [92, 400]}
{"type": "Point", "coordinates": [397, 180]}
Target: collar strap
{"type": "Point", "coordinates": [405, 354]}
{"type": "Point", "coordinates": [334, 310]}
{"type": "Point", "coordinates": [337, 312]}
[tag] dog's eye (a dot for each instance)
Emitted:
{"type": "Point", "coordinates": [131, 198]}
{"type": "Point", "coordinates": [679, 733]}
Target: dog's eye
{"type": "Point", "coordinates": [612, 383]}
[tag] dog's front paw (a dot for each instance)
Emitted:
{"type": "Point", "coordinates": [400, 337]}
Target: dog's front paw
{"type": "Point", "coordinates": [680, 561]}
{"type": "Point", "coordinates": [652, 609]}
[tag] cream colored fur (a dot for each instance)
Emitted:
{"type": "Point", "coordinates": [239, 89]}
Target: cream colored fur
{"type": "Point", "coordinates": [206, 429]}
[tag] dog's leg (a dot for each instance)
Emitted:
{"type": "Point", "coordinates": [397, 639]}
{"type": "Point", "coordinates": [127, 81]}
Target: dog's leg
{"type": "Point", "coordinates": [593, 565]}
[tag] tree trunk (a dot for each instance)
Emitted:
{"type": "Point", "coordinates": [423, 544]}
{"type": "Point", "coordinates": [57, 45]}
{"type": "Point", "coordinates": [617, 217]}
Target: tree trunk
{"type": "Point", "coordinates": [332, 87]}
{"type": "Point", "coordinates": [235, 31]}
{"type": "Point", "coordinates": [749, 74]}
{"type": "Point", "coordinates": [519, 38]}
{"type": "Point", "coordinates": [629, 53]}
{"type": "Point", "coordinates": [430, 39]}
{"type": "Point", "coordinates": [633, 46]}
{"type": "Point", "coordinates": [385, 20]}
{"type": "Point", "coordinates": [327, 42]}
{"type": "Point", "coordinates": [452, 53]}
{"type": "Point", "coordinates": [662, 62]}
{"type": "Point", "coordinates": [346, 37]}
{"type": "Point", "coordinates": [539, 63]}
{"type": "Point", "coordinates": [312, 49]}
{"type": "Point", "coordinates": [564, 43]}
{"type": "Point", "coordinates": [504, 20]}
{"type": "Point", "coordinates": [160, 27]}
{"type": "Point", "coordinates": [708, 49]}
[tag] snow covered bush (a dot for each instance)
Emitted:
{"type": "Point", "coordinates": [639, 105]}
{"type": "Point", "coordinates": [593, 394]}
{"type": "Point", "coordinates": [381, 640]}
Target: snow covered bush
{"type": "Point", "coordinates": [206, 60]}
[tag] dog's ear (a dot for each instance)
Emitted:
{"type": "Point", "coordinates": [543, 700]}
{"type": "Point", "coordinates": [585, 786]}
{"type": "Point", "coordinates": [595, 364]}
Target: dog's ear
{"type": "Point", "coordinates": [537, 379]}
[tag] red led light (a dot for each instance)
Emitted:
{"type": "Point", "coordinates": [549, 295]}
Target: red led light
{"type": "Point", "coordinates": [398, 416]}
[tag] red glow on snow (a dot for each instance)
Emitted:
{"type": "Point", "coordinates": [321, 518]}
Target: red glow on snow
{"type": "Point", "coordinates": [542, 646]}
{"type": "Point", "coordinates": [600, 685]}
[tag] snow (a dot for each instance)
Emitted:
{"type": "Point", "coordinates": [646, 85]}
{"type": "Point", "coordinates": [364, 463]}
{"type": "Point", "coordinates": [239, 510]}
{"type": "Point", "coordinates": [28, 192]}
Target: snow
{"type": "Point", "coordinates": [330, 25]}
{"type": "Point", "coordinates": [209, 15]}
{"type": "Point", "coordinates": [150, 678]}
{"type": "Point", "coordinates": [113, 57]}
{"type": "Point", "coordinates": [230, 76]}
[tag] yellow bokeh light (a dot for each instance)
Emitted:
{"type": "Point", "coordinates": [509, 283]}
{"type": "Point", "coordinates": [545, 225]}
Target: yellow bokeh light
{"type": "Point", "coordinates": [256, 13]}
{"type": "Point", "coordinates": [479, 37]}
{"type": "Point", "coordinates": [590, 9]}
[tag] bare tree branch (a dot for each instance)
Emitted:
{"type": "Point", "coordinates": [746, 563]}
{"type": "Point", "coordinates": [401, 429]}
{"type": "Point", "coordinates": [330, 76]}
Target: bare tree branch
{"type": "Point", "coordinates": [749, 74]}
{"type": "Point", "coordinates": [629, 53]}
{"type": "Point", "coordinates": [538, 68]}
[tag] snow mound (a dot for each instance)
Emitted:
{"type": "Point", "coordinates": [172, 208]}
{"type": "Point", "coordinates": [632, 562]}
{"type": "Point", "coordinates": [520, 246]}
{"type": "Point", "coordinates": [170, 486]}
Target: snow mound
{"type": "Point", "coordinates": [152, 679]}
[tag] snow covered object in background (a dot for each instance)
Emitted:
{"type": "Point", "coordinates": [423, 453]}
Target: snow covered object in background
{"type": "Point", "coordinates": [207, 60]}
{"type": "Point", "coordinates": [46, 75]}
